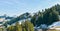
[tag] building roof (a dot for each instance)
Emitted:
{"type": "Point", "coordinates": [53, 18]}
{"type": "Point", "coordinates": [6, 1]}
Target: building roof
{"type": "Point", "coordinates": [55, 25]}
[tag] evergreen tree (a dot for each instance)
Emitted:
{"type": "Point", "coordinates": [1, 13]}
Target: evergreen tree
{"type": "Point", "coordinates": [18, 27]}
{"type": "Point", "coordinates": [50, 16]}
{"type": "Point", "coordinates": [33, 19]}
{"type": "Point", "coordinates": [29, 26]}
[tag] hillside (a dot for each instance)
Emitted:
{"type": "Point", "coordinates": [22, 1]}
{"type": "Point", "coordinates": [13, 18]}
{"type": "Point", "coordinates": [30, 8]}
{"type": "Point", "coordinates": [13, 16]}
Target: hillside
{"type": "Point", "coordinates": [47, 17]}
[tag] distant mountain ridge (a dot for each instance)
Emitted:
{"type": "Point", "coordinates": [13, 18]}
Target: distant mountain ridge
{"type": "Point", "coordinates": [49, 16]}
{"type": "Point", "coordinates": [21, 17]}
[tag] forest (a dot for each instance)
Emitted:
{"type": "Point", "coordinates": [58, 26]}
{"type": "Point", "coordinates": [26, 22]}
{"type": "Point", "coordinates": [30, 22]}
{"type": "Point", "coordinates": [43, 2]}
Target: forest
{"type": "Point", "coordinates": [47, 16]}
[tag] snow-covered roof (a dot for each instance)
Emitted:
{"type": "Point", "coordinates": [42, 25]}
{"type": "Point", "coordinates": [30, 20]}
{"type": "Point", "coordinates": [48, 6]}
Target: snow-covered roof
{"type": "Point", "coordinates": [55, 24]}
{"type": "Point", "coordinates": [59, 17]}
{"type": "Point", "coordinates": [42, 26]}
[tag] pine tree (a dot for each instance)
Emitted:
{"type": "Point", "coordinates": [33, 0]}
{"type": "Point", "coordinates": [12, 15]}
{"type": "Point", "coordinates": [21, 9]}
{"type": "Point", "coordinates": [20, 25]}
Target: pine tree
{"type": "Point", "coordinates": [18, 27]}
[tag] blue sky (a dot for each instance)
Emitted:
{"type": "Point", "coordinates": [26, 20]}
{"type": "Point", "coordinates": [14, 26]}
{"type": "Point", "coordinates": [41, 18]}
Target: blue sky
{"type": "Point", "coordinates": [18, 7]}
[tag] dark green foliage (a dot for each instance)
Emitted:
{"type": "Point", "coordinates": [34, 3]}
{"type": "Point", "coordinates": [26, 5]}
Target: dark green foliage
{"type": "Point", "coordinates": [33, 19]}
{"type": "Point", "coordinates": [49, 16]}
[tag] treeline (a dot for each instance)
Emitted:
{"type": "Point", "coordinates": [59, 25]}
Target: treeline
{"type": "Point", "coordinates": [24, 26]}
{"type": "Point", "coordinates": [47, 16]}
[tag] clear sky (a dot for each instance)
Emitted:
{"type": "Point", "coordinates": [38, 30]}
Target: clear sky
{"type": "Point", "coordinates": [17, 7]}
